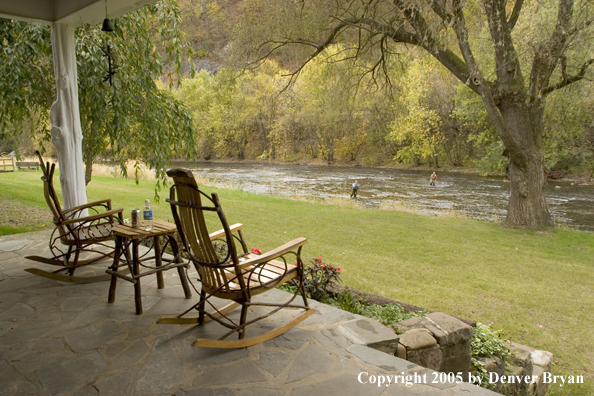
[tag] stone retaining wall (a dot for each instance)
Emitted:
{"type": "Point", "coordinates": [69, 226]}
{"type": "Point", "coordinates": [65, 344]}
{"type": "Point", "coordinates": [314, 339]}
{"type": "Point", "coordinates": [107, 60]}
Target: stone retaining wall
{"type": "Point", "coordinates": [442, 343]}
{"type": "Point", "coordinates": [449, 337]}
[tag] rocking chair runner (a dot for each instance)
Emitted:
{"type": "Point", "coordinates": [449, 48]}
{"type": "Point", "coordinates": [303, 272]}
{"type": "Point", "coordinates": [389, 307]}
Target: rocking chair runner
{"type": "Point", "coordinates": [75, 234]}
{"type": "Point", "coordinates": [227, 274]}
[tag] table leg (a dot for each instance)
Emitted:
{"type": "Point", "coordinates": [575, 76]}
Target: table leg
{"type": "Point", "coordinates": [114, 267]}
{"type": "Point", "coordinates": [135, 273]}
{"type": "Point", "coordinates": [158, 262]}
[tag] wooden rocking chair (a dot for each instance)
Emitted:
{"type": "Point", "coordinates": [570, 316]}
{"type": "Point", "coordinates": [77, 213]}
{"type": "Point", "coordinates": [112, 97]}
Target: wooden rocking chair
{"type": "Point", "coordinates": [224, 273]}
{"type": "Point", "coordinates": [75, 234]}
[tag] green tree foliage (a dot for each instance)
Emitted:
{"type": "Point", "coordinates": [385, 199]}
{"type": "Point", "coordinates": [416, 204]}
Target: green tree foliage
{"type": "Point", "coordinates": [249, 114]}
{"type": "Point", "coordinates": [471, 116]}
{"type": "Point", "coordinates": [225, 114]}
{"type": "Point", "coordinates": [131, 119]}
{"type": "Point", "coordinates": [198, 94]}
{"type": "Point", "coordinates": [569, 129]}
{"type": "Point", "coordinates": [270, 138]}
{"type": "Point", "coordinates": [328, 108]}
{"type": "Point", "coordinates": [27, 82]}
{"type": "Point", "coordinates": [417, 127]}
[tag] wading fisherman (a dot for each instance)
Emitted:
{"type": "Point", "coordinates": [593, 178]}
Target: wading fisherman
{"type": "Point", "coordinates": [433, 179]}
{"type": "Point", "coordinates": [355, 188]}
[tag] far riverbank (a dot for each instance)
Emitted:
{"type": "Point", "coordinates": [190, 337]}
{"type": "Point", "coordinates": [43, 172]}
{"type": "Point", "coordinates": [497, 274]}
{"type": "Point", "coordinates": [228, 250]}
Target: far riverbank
{"type": "Point", "coordinates": [565, 176]}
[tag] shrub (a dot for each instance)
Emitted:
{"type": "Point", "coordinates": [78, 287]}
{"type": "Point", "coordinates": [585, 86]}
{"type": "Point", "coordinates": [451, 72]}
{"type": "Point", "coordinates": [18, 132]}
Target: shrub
{"type": "Point", "coordinates": [319, 278]}
{"type": "Point", "coordinates": [486, 342]}
{"type": "Point", "coordinates": [390, 314]}
{"type": "Point", "coordinates": [348, 301]}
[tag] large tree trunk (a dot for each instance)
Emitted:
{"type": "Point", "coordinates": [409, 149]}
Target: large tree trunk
{"type": "Point", "coordinates": [527, 204]}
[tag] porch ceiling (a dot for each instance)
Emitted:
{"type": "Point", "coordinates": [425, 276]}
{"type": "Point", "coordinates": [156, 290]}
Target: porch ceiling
{"type": "Point", "coordinates": [71, 12]}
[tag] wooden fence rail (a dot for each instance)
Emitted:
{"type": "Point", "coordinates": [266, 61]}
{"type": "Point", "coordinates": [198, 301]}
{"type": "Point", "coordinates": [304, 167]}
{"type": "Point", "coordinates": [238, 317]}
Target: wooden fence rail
{"type": "Point", "coordinates": [9, 163]}
{"type": "Point", "coordinates": [12, 165]}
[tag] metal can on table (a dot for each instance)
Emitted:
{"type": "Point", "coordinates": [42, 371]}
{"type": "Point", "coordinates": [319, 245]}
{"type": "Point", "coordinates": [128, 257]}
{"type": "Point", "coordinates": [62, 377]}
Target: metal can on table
{"type": "Point", "coordinates": [136, 222]}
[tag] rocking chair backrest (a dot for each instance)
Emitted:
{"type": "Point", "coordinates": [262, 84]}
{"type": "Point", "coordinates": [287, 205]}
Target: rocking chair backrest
{"type": "Point", "coordinates": [188, 212]}
{"type": "Point", "coordinates": [50, 194]}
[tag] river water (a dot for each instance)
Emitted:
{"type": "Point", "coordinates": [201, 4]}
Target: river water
{"type": "Point", "coordinates": [471, 196]}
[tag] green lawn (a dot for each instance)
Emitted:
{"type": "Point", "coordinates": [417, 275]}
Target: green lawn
{"type": "Point", "coordinates": [534, 285]}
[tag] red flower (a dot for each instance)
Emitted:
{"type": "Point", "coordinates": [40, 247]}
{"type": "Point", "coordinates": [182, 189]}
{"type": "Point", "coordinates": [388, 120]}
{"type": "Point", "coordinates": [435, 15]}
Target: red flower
{"type": "Point", "coordinates": [296, 264]}
{"type": "Point", "coordinates": [338, 268]}
{"type": "Point", "coordinates": [256, 251]}
{"type": "Point", "coordinates": [319, 259]}
{"type": "Point", "coordinates": [323, 265]}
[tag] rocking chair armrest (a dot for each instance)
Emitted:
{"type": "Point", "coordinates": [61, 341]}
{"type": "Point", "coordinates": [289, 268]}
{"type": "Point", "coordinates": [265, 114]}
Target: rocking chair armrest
{"type": "Point", "coordinates": [275, 253]}
{"type": "Point", "coordinates": [97, 216]}
{"type": "Point", "coordinates": [88, 205]}
{"type": "Point", "coordinates": [221, 233]}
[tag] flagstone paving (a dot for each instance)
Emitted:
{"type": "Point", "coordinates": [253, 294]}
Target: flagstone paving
{"type": "Point", "coordinates": [65, 339]}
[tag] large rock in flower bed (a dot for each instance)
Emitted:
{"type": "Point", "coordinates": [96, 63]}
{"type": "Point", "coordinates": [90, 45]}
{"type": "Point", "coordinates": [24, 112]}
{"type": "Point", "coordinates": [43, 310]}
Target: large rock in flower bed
{"type": "Point", "coordinates": [451, 334]}
{"type": "Point", "coordinates": [421, 348]}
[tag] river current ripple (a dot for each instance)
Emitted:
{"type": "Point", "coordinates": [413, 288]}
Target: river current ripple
{"type": "Point", "coordinates": [473, 196]}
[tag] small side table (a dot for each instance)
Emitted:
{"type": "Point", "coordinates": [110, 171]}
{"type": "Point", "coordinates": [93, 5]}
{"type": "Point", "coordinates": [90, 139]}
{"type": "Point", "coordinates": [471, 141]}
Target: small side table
{"type": "Point", "coordinates": [127, 236]}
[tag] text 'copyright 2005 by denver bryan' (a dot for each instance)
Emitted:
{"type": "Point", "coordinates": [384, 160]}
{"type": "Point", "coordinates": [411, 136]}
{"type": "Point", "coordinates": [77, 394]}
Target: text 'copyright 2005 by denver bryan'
{"type": "Point", "coordinates": [435, 377]}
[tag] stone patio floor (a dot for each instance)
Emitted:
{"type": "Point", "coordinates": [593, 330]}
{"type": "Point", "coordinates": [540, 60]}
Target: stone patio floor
{"type": "Point", "coordinates": [65, 339]}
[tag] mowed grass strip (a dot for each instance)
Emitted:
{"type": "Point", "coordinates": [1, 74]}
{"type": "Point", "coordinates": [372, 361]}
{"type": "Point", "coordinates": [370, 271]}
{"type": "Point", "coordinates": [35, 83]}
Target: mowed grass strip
{"type": "Point", "coordinates": [537, 286]}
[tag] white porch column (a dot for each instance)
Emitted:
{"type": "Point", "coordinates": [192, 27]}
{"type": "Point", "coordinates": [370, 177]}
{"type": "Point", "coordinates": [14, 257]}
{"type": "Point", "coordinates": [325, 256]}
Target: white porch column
{"type": "Point", "coordinates": [64, 115]}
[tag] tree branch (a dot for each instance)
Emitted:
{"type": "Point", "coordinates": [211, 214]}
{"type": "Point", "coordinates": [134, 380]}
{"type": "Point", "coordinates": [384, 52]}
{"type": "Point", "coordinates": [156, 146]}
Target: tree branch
{"type": "Point", "coordinates": [440, 10]}
{"type": "Point", "coordinates": [479, 82]}
{"type": "Point", "coordinates": [424, 38]}
{"type": "Point", "coordinates": [513, 19]}
{"type": "Point", "coordinates": [462, 35]}
{"type": "Point", "coordinates": [398, 35]}
{"type": "Point", "coordinates": [47, 94]}
{"type": "Point", "coordinates": [547, 57]}
{"type": "Point", "coordinates": [581, 26]}
{"type": "Point", "coordinates": [569, 79]}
